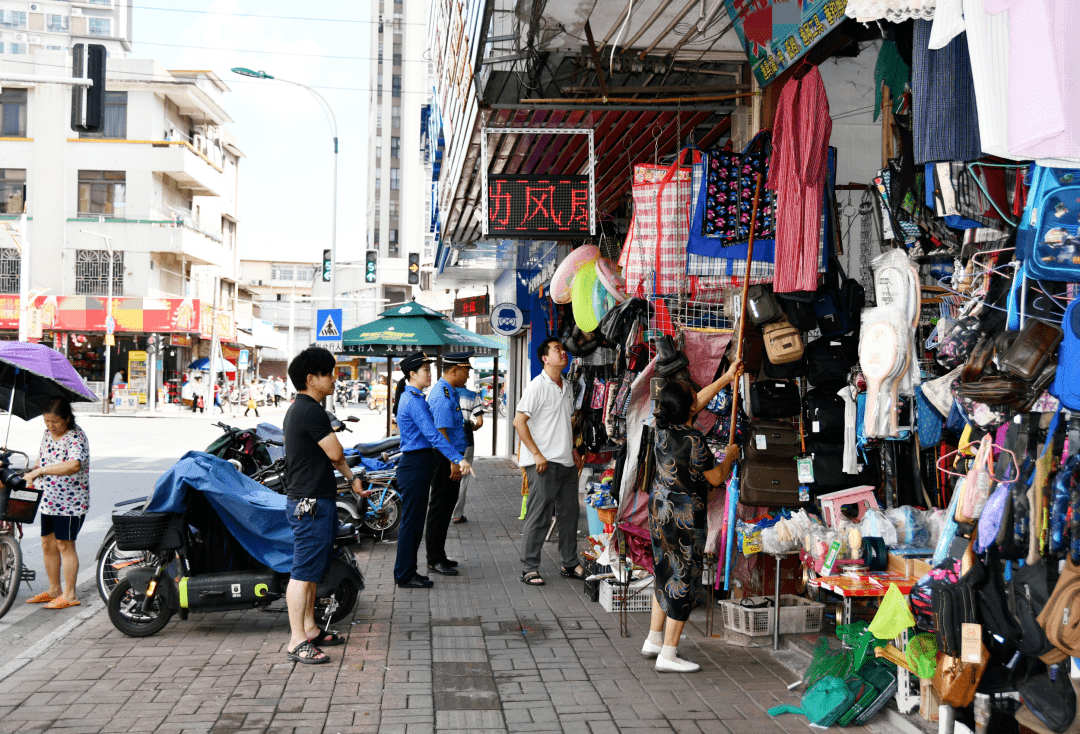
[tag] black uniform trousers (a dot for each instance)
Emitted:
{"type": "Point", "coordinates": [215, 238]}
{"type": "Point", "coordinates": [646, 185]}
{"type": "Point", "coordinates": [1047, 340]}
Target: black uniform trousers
{"type": "Point", "coordinates": [444, 495]}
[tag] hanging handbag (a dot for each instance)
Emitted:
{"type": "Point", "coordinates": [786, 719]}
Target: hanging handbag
{"type": "Point", "coordinates": [783, 342]}
{"type": "Point", "coordinates": [956, 681]}
{"type": "Point", "coordinates": [656, 260]}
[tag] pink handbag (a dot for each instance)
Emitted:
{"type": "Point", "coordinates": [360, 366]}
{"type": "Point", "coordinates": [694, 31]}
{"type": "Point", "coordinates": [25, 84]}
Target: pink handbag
{"type": "Point", "coordinates": [654, 259]}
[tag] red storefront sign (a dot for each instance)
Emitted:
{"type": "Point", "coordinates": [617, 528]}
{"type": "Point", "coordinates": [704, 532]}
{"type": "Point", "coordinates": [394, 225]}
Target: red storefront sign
{"type": "Point", "coordinates": [87, 314]}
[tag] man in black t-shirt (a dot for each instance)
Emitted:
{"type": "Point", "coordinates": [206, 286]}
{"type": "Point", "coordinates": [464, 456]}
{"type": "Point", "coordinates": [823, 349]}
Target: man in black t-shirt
{"type": "Point", "coordinates": [312, 452]}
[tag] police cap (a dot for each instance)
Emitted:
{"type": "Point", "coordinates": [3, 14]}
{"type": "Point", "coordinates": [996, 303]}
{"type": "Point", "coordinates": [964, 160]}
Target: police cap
{"type": "Point", "coordinates": [414, 361]}
{"type": "Point", "coordinates": [458, 359]}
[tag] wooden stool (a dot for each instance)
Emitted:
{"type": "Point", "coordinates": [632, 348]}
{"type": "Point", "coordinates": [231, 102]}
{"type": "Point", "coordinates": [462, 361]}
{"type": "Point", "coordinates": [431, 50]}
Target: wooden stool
{"type": "Point", "coordinates": [832, 502]}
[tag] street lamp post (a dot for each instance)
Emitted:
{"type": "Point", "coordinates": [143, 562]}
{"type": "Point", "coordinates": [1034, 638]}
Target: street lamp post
{"type": "Point", "coordinates": [332, 119]}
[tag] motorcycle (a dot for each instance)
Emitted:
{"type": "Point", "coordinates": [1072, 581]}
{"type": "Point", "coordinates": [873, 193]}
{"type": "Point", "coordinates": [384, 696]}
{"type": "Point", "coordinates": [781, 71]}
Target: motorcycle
{"type": "Point", "coordinates": [217, 541]}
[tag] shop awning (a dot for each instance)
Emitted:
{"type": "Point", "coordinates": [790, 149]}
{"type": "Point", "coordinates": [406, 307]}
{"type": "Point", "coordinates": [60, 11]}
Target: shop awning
{"type": "Point", "coordinates": [203, 365]}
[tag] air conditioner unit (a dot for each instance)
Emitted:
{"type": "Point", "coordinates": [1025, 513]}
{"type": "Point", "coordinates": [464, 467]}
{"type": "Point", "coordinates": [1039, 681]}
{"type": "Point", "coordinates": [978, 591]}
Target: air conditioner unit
{"type": "Point", "coordinates": [34, 7]}
{"type": "Point", "coordinates": [35, 39]}
{"type": "Point", "coordinates": [76, 11]}
{"type": "Point", "coordinates": [20, 37]}
{"type": "Point", "coordinates": [172, 134]}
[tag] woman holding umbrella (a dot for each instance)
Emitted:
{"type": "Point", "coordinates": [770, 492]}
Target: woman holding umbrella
{"type": "Point", "coordinates": [63, 472]}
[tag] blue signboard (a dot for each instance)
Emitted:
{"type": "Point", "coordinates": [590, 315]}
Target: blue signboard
{"type": "Point", "coordinates": [328, 328]}
{"type": "Point", "coordinates": [776, 33]}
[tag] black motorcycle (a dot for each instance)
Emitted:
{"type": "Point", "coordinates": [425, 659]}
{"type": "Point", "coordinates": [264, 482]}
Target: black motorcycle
{"type": "Point", "coordinates": [194, 563]}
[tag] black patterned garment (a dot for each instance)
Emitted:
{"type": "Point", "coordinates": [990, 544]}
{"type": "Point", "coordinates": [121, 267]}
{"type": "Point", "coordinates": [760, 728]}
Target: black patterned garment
{"type": "Point", "coordinates": [677, 503]}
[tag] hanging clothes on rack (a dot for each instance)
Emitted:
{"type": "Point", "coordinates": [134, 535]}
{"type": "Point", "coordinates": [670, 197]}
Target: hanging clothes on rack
{"type": "Point", "coordinates": [945, 124]}
{"type": "Point", "coordinates": [801, 133]}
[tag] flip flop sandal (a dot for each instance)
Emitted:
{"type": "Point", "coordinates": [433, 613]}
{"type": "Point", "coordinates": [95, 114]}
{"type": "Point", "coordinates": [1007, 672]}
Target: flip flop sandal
{"type": "Point", "coordinates": [62, 603]}
{"type": "Point", "coordinates": [570, 573]}
{"type": "Point", "coordinates": [532, 579]}
{"type": "Point", "coordinates": [327, 639]}
{"type": "Point", "coordinates": [40, 598]}
{"type": "Point", "coordinates": [305, 653]}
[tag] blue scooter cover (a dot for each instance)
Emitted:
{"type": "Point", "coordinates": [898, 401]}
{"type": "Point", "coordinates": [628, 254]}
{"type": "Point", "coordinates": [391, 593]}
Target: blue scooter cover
{"type": "Point", "coordinates": [251, 512]}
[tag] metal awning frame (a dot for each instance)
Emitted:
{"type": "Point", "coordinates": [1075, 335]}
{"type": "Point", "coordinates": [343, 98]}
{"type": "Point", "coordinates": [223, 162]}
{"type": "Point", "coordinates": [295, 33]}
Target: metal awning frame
{"type": "Point", "coordinates": [486, 131]}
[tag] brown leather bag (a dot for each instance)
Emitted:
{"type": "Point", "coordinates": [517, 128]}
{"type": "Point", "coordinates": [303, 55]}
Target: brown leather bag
{"type": "Point", "coordinates": [956, 681]}
{"type": "Point", "coordinates": [783, 342]}
{"type": "Point", "coordinates": [1034, 346]}
{"type": "Point", "coordinates": [1060, 618]}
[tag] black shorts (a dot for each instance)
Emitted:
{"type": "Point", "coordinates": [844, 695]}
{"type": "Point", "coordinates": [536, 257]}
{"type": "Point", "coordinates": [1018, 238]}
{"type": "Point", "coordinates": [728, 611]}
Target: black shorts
{"type": "Point", "coordinates": [64, 527]}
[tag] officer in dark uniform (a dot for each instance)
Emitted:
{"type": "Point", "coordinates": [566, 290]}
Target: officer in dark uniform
{"type": "Point", "coordinates": [418, 436]}
{"type": "Point", "coordinates": [445, 483]}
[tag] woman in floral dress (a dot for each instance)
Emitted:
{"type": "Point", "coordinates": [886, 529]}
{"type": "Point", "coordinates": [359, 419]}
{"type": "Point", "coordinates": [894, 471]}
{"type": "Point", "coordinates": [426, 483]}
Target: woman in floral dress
{"type": "Point", "coordinates": [63, 472]}
{"type": "Point", "coordinates": [686, 471]}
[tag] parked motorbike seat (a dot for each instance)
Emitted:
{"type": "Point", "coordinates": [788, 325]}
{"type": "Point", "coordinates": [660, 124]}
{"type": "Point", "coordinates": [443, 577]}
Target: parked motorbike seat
{"type": "Point", "coordinates": [353, 459]}
{"type": "Point", "coordinates": [374, 448]}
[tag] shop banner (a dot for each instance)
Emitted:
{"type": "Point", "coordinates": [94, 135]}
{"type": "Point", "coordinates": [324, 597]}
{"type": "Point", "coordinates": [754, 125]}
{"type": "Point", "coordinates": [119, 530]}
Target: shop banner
{"type": "Point", "coordinates": [226, 325]}
{"type": "Point", "coordinates": [776, 33]}
{"type": "Point", "coordinates": [87, 313]}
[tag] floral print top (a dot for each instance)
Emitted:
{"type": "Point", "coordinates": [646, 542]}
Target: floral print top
{"type": "Point", "coordinates": [682, 458]}
{"type": "Point", "coordinates": [65, 496]}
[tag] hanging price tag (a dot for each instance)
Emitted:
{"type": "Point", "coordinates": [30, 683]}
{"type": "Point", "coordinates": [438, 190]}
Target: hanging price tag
{"type": "Point", "coordinates": [805, 465]}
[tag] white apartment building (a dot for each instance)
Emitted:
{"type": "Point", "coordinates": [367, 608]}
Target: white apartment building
{"type": "Point", "coordinates": [160, 182]}
{"type": "Point", "coordinates": [55, 25]}
{"type": "Point", "coordinates": [275, 283]}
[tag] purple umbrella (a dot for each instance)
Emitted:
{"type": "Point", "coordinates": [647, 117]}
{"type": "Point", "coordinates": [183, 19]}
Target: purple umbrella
{"type": "Point", "coordinates": [31, 374]}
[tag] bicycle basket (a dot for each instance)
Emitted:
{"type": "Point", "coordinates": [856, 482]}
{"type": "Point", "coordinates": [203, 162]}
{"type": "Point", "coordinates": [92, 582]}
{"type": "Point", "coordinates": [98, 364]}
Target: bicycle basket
{"type": "Point", "coordinates": [140, 531]}
{"type": "Point", "coordinates": [19, 505]}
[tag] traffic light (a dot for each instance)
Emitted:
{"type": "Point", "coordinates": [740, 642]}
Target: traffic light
{"type": "Point", "coordinates": [372, 267]}
{"type": "Point", "coordinates": [88, 103]}
{"type": "Point", "coordinates": [327, 265]}
{"type": "Point", "coordinates": [414, 268]}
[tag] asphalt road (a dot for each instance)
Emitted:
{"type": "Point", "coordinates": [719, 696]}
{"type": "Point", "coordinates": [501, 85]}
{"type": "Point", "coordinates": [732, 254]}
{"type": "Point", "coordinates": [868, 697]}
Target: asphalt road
{"type": "Point", "coordinates": [127, 455]}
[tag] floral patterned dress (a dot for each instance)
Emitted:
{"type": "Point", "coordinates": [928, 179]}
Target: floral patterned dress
{"type": "Point", "coordinates": [677, 503]}
{"type": "Point", "coordinates": [65, 496]}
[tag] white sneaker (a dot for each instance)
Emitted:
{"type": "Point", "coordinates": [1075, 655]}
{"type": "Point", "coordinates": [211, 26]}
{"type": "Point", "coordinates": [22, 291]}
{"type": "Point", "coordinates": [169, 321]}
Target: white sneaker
{"type": "Point", "coordinates": [650, 650]}
{"type": "Point", "coordinates": [678, 665]}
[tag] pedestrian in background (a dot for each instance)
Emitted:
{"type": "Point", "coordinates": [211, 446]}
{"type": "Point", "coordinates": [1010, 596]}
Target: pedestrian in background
{"type": "Point", "coordinates": [473, 412]}
{"type": "Point", "coordinates": [278, 389]}
{"type": "Point", "coordinates": [198, 395]}
{"type": "Point", "coordinates": [312, 452]}
{"type": "Point", "coordinates": [551, 464]}
{"type": "Point", "coordinates": [418, 436]}
{"type": "Point", "coordinates": [62, 472]}
{"type": "Point", "coordinates": [253, 399]}
{"type": "Point", "coordinates": [446, 413]}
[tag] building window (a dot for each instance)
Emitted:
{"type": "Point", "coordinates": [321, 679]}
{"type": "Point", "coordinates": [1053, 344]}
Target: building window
{"type": "Point", "coordinates": [380, 86]}
{"type": "Point", "coordinates": [397, 54]}
{"type": "Point", "coordinates": [394, 208]}
{"type": "Point", "coordinates": [13, 19]}
{"type": "Point", "coordinates": [397, 23]}
{"type": "Point", "coordinates": [115, 127]}
{"type": "Point", "coordinates": [380, 51]}
{"type": "Point", "coordinates": [102, 193]}
{"type": "Point", "coordinates": [99, 2]}
{"type": "Point", "coordinates": [100, 26]}
{"type": "Point", "coordinates": [376, 236]}
{"type": "Point", "coordinates": [395, 179]}
{"type": "Point", "coordinates": [13, 112]}
{"type": "Point", "coordinates": [395, 117]}
{"type": "Point", "coordinates": [395, 85]}
{"type": "Point", "coordinates": [395, 146]}
{"type": "Point", "coordinates": [378, 115]}
{"type": "Point", "coordinates": [378, 180]}
{"type": "Point", "coordinates": [14, 48]}
{"type": "Point", "coordinates": [378, 146]}
{"type": "Point", "coordinates": [12, 190]}
{"type": "Point", "coordinates": [392, 249]}
{"type": "Point", "coordinates": [394, 296]}
{"type": "Point", "coordinates": [91, 271]}
{"type": "Point", "coordinates": [56, 23]}
{"type": "Point", "coordinates": [10, 268]}
{"type": "Point", "coordinates": [282, 271]}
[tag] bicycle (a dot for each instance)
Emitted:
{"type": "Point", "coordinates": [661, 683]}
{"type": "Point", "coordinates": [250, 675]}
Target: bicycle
{"type": "Point", "coordinates": [18, 505]}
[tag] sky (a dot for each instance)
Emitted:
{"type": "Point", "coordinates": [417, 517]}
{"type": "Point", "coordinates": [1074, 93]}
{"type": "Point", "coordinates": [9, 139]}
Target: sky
{"type": "Point", "coordinates": [286, 180]}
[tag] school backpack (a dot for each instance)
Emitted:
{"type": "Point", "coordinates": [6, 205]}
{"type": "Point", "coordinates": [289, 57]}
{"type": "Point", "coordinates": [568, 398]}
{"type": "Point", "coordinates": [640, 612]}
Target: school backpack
{"type": "Point", "coordinates": [1050, 227]}
{"type": "Point", "coordinates": [1066, 385]}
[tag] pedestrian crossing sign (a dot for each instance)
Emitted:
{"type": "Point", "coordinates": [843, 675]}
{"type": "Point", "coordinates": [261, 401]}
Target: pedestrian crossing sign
{"type": "Point", "coordinates": [328, 323]}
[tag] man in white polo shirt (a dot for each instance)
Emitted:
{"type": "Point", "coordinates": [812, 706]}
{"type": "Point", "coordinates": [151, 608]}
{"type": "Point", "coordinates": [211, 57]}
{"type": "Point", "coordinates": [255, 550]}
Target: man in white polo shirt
{"type": "Point", "coordinates": [550, 462]}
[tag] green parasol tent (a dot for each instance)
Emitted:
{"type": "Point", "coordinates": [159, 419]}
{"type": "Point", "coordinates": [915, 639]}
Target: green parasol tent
{"type": "Point", "coordinates": [411, 327]}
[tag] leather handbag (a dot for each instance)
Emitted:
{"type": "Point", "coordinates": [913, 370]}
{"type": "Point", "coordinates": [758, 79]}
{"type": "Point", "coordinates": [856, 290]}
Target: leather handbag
{"type": "Point", "coordinates": [956, 681]}
{"type": "Point", "coordinates": [1057, 619]}
{"type": "Point", "coordinates": [1034, 346]}
{"type": "Point", "coordinates": [783, 342]}
{"type": "Point", "coordinates": [762, 307]}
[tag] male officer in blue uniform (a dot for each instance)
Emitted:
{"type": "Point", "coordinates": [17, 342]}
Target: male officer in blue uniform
{"type": "Point", "coordinates": [445, 483]}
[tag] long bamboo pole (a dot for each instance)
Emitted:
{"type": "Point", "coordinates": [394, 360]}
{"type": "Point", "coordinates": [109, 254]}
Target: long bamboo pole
{"type": "Point", "coordinates": [742, 312]}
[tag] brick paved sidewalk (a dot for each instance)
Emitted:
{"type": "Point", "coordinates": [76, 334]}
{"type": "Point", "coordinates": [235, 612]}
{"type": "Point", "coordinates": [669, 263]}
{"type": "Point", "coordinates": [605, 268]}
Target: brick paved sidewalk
{"type": "Point", "coordinates": [481, 652]}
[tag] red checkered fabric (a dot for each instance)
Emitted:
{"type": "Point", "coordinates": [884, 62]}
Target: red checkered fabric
{"type": "Point", "coordinates": [654, 258]}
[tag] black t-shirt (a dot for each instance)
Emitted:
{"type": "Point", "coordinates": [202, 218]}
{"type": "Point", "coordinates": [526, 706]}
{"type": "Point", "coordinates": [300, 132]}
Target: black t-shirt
{"type": "Point", "coordinates": [308, 471]}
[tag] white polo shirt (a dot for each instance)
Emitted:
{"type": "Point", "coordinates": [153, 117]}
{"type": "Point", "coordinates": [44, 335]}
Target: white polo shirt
{"type": "Point", "coordinates": [550, 409]}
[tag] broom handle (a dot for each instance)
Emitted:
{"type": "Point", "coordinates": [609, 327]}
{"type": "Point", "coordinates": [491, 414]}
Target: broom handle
{"type": "Point", "coordinates": [742, 312]}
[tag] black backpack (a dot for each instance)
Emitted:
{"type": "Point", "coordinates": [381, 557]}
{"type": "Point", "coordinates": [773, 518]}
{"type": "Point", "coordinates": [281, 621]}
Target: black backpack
{"type": "Point", "coordinates": [830, 359]}
{"type": "Point", "coordinates": [1048, 693]}
{"type": "Point", "coordinates": [774, 399]}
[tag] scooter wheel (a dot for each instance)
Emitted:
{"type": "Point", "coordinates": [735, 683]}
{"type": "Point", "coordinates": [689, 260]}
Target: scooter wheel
{"type": "Point", "coordinates": [127, 615]}
{"type": "Point", "coordinates": [345, 595]}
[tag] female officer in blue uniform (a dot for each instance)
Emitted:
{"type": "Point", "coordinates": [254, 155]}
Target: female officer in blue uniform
{"type": "Point", "coordinates": [418, 436]}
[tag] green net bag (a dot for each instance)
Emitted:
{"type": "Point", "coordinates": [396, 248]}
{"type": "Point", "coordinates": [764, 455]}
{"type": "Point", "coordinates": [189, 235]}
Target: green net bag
{"type": "Point", "coordinates": [826, 662]}
{"type": "Point", "coordinates": [893, 616]}
{"type": "Point", "coordinates": [921, 653]}
{"type": "Point", "coordinates": [860, 639]}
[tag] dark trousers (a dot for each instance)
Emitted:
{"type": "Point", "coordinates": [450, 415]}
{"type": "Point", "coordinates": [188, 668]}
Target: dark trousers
{"type": "Point", "coordinates": [444, 495]}
{"type": "Point", "coordinates": [414, 482]}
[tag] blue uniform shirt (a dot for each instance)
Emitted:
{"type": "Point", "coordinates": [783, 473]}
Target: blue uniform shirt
{"type": "Point", "coordinates": [418, 431]}
{"type": "Point", "coordinates": [446, 412]}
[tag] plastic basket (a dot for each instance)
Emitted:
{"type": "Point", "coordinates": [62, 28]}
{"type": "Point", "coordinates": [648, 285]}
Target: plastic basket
{"type": "Point", "coordinates": [140, 531]}
{"type": "Point", "coordinates": [797, 615]}
{"type": "Point", "coordinates": [613, 597]}
{"type": "Point", "coordinates": [882, 677]}
{"type": "Point", "coordinates": [19, 505]}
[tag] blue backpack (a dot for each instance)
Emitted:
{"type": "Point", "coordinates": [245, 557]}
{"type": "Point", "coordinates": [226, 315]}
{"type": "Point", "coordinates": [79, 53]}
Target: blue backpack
{"type": "Point", "coordinates": [1066, 386]}
{"type": "Point", "coordinates": [1047, 238]}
